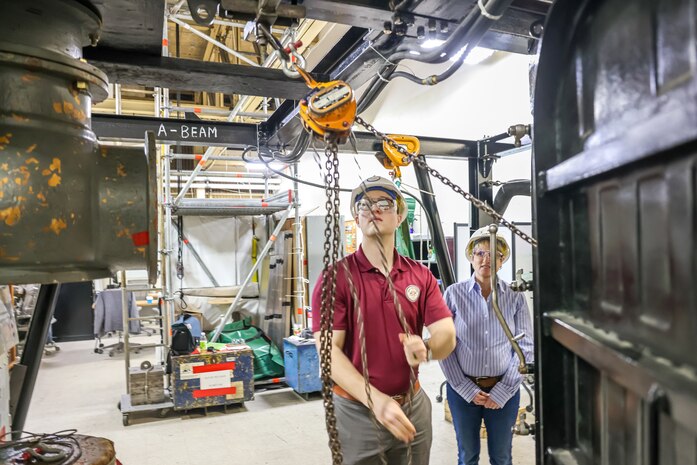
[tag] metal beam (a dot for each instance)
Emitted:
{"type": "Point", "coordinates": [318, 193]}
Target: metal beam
{"type": "Point", "coordinates": [195, 75]}
{"type": "Point", "coordinates": [32, 353]}
{"type": "Point", "coordinates": [241, 135]}
{"type": "Point", "coordinates": [175, 131]}
{"type": "Point", "coordinates": [431, 146]}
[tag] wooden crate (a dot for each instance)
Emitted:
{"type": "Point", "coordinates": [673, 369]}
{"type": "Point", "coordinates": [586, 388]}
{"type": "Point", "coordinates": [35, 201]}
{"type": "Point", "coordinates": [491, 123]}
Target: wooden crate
{"type": "Point", "coordinates": [206, 380]}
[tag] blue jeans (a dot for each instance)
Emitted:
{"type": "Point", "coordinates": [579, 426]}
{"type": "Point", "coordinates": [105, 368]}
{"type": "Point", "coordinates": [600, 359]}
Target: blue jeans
{"type": "Point", "coordinates": [467, 419]}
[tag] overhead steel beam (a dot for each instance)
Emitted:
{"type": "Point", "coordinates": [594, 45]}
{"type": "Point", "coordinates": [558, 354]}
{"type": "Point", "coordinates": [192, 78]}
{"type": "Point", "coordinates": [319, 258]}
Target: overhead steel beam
{"type": "Point", "coordinates": [174, 131]}
{"type": "Point", "coordinates": [241, 135]}
{"type": "Point", "coordinates": [128, 25]}
{"type": "Point", "coordinates": [195, 75]}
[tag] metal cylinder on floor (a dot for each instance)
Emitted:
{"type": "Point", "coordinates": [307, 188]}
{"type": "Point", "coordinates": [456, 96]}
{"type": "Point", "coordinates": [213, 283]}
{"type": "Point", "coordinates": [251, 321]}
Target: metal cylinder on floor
{"type": "Point", "coordinates": [70, 209]}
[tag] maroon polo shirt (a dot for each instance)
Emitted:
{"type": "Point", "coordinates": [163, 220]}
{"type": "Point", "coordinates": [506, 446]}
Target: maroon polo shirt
{"type": "Point", "coordinates": [421, 302]}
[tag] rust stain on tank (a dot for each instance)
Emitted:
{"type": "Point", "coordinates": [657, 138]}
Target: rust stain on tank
{"type": "Point", "coordinates": [54, 180]}
{"type": "Point", "coordinates": [30, 77]}
{"type": "Point", "coordinates": [4, 140]}
{"type": "Point", "coordinates": [53, 171]}
{"type": "Point", "coordinates": [57, 226]}
{"type": "Point", "coordinates": [31, 161]}
{"type": "Point", "coordinates": [22, 178]}
{"type": "Point", "coordinates": [4, 256]}
{"type": "Point", "coordinates": [42, 198]}
{"type": "Point", "coordinates": [10, 215]}
{"type": "Point", "coordinates": [31, 148]}
{"type": "Point", "coordinates": [57, 107]}
{"type": "Point", "coordinates": [4, 167]}
{"type": "Point", "coordinates": [75, 113]}
{"type": "Point", "coordinates": [104, 152]}
{"type": "Point", "coordinates": [20, 118]}
{"type": "Point", "coordinates": [121, 170]}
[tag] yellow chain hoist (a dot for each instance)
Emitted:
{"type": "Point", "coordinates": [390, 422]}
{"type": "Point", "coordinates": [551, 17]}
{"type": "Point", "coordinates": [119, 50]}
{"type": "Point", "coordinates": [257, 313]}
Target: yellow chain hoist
{"type": "Point", "coordinates": [392, 159]}
{"type": "Point", "coordinates": [330, 109]}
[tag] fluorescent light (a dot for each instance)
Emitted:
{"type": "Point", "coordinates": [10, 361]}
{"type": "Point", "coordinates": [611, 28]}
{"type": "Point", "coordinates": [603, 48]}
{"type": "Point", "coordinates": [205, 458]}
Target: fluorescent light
{"type": "Point", "coordinates": [476, 56]}
{"type": "Point", "coordinates": [432, 43]}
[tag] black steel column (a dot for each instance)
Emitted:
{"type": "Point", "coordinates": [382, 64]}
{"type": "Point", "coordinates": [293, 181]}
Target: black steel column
{"type": "Point", "coordinates": [440, 247]}
{"type": "Point", "coordinates": [33, 351]}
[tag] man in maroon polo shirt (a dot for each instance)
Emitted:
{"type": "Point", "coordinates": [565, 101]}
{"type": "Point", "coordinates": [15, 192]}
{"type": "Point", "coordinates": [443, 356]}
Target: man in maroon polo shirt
{"type": "Point", "coordinates": [379, 208]}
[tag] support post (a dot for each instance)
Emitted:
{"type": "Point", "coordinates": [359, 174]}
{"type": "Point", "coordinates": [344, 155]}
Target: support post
{"type": "Point", "coordinates": [440, 246]}
{"type": "Point", "coordinates": [33, 351]}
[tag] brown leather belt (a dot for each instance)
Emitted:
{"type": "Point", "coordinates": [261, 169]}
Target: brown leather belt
{"type": "Point", "coordinates": [485, 382]}
{"type": "Point", "coordinates": [400, 398]}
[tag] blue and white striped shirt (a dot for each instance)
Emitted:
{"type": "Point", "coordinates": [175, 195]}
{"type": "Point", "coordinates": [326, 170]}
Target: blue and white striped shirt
{"type": "Point", "coordinates": [482, 347]}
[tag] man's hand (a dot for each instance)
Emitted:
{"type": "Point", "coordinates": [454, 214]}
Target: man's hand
{"type": "Point", "coordinates": [481, 398]}
{"type": "Point", "coordinates": [414, 349]}
{"type": "Point", "coordinates": [491, 404]}
{"type": "Point", "coordinates": [390, 415]}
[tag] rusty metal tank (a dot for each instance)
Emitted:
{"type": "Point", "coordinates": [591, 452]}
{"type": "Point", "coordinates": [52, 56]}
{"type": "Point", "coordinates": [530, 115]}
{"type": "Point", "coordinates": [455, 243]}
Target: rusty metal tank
{"type": "Point", "coordinates": [70, 208]}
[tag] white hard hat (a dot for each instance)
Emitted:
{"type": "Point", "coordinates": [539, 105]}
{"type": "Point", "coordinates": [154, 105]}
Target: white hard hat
{"type": "Point", "coordinates": [378, 183]}
{"type": "Point", "coordinates": [483, 234]}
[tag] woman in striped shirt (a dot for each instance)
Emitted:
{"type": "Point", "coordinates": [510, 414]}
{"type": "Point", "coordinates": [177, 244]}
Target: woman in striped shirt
{"type": "Point", "coordinates": [482, 371]}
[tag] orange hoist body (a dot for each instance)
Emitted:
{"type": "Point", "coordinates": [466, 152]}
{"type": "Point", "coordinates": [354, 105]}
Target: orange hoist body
{"type": "Point", "coordinates": [330, 109]}
{"type": "Point", "coordinates": [392, 159]}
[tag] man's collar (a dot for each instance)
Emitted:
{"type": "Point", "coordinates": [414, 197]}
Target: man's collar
{"type": "Point", "coordinates": [364, 264]}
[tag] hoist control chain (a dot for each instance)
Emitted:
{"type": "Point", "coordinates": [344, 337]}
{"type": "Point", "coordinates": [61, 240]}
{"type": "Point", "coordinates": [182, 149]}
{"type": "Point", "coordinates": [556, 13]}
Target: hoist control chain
{"type": "Point", "coordinates": [332, 235]}
{"type": "Point", "coordinates": [421, 161]}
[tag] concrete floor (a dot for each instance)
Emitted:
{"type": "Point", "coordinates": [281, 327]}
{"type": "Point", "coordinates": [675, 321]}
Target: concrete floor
{"type": "Point", "coordinates": [77, 388]}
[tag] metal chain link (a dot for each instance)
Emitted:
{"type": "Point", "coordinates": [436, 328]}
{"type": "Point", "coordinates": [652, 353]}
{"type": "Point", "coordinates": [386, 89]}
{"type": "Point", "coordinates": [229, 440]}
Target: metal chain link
{"type": "Point", "coordinates": [421, 161]}
{"type": "Point", "coordinates": [331, 251]}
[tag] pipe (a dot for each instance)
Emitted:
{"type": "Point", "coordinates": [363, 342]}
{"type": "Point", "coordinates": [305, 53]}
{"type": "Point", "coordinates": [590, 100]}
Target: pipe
{"type": "Point", "coordinates": [221, 22]}
{"type": "Point", "coordinates": [260, 259]}
{"type": "Point", "coordinates": [187, 156]}
{"type": "Point", "coordinates": [124, 318]}
{"type": "Point", "coordinates": [32, 353]}
{"type": "Point", "coordinates": [522, 366]}
{"type": "Point", "coordinates": [217, 111]}
{"type": "Point", "coordinates": [509, 190]}
{"type": "Point", "coordinates": [300, 306]}
{"type": "Point", "coordinates": [445, 266]}
{"type": "Point", "coordinates": [224, 174]}
{"type": "Point", "coordinates": [471, 38]}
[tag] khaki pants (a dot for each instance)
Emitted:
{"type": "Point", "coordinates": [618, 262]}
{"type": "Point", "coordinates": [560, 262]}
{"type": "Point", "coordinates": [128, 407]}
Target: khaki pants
{"type": "Point", "coordinates": [361, 444]}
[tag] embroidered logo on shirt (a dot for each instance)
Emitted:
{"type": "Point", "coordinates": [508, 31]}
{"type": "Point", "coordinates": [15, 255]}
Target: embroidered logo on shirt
{"type": "Point", "coordinates": [412, 292]}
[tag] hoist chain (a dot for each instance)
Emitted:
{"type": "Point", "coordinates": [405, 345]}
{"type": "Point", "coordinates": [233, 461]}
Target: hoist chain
{"type": "Point", "coordinates": [332, 235]}
{"type": "Point", "coordinates": [421, 161]}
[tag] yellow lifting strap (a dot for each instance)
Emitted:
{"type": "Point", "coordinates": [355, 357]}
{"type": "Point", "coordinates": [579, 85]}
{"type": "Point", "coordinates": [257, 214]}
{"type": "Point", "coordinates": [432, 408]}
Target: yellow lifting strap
{"type": "Point", "coordinates": [390, 157]}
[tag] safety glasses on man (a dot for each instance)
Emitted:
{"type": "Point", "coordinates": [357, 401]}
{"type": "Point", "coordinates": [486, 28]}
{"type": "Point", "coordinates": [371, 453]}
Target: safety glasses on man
{"type": "Point", "coordinates": [383, 204]}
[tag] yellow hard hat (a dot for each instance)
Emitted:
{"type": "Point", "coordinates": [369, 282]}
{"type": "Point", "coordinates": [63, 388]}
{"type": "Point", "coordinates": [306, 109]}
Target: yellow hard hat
{"type": "Point", "coordinates": [483, 234]}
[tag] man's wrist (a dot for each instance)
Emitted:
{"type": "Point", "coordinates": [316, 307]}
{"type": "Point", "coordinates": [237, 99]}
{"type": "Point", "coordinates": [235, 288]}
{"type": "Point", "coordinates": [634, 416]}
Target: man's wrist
{"type": "Point", "coordinates": [429, 353]}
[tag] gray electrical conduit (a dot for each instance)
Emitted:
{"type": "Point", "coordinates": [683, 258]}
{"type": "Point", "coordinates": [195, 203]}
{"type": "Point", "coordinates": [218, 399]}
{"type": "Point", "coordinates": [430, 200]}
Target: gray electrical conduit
{"type": "Point", "coordinates": [522, 366]}
{"type": "Point", "coordinates": [260, 259]}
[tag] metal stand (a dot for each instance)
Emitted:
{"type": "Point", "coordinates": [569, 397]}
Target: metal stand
{"type": "Point", "coordinates": [31, 355]}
